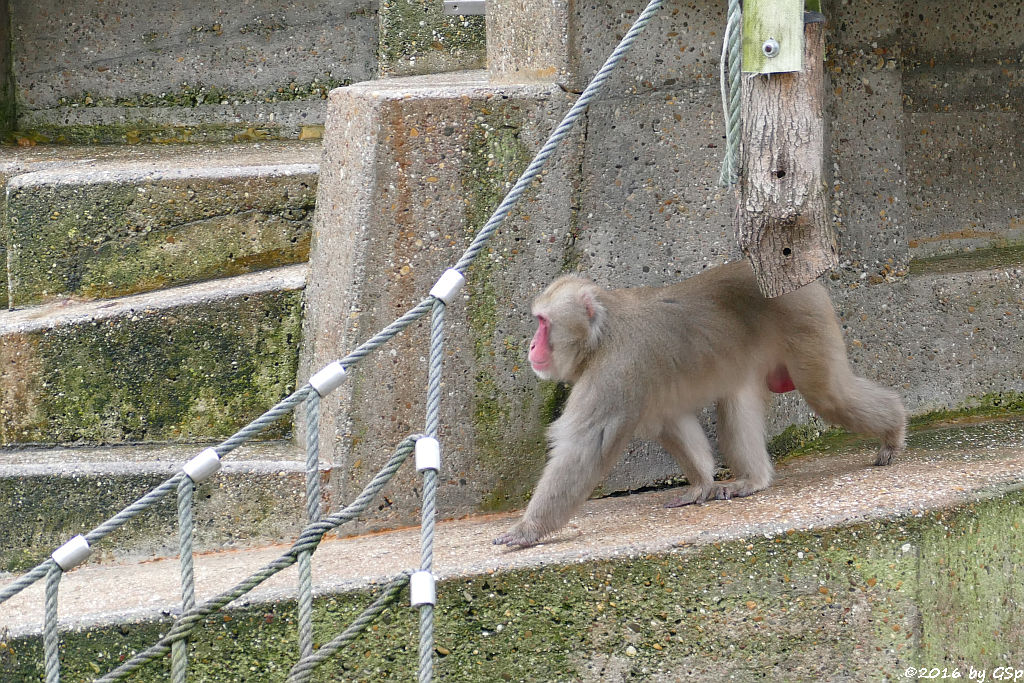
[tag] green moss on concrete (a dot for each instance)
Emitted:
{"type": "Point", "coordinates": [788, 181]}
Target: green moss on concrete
{"type": "Point", "coordinates": [986, 406]}
{"type": "Point", "coordinates": [63, 508]}
{"type": "Point", "coordinates": [193, 372]}
{"type": "Point", "coordinates": [969, 261]}
{"type": "Point", "coordinates": [417, 38]}
{"type": "Point", "coordinates": [4, 299]}
{"type": "Point", "coordinates": [862, 602]}
{"type": "Point", "coordinates": [197, 95]}
{"type": "Point", "coordinates": [496, 158]}
{"type": "Point", "coordinates": [799, 439]}
{"type": "Point", "coordinates": [553, 398]}
{"type": "Point", "coordinates": [42, 511]}
{"type": "Point", "coordinates": [973, 588]}
{"type": "Point", "coordinates": [144, 110]}
{"type": "Point", "coordinates": [104, 240]}
{"type": "Point", "coordinates": [143, 131]}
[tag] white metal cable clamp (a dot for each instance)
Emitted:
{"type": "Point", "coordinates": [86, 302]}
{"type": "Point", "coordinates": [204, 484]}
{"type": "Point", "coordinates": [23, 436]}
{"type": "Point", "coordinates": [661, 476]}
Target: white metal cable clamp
{"type": "Point", "coordinates": [203, 466]}
{"type": "Point", "coordinates": [72, 553]}
{"type": "Point", "coordinates": [421, 589]}
{"type": "Point", "coordinates": [448, 285]}
{"type": "Point", "coordinates": [428, 454]}
{"type": "Point", "coordinates": [328, 379]}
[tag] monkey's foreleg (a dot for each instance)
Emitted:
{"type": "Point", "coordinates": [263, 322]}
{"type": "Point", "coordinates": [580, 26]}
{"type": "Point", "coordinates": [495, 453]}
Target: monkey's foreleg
{"type": "Point", "coordinates": [580, 457]}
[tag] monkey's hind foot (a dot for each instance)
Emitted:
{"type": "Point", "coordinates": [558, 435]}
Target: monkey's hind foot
{"type": "Point", "coordinates": [885, 455]}
{"type": "Point", "coordinates": [691, 494]}
{"type": "Point", "coordinates": [518, 537]}
{"type": "Point", "coordinates": [737, 488]}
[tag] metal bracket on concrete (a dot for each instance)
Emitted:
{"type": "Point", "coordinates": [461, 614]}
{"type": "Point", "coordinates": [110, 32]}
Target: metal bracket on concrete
{"type": "Point", "coordinates": [465, 7]}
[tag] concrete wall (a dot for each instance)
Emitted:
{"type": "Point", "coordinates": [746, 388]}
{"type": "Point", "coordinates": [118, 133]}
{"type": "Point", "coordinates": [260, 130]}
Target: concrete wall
{"type": "Point", "coordinates": [926, 160]}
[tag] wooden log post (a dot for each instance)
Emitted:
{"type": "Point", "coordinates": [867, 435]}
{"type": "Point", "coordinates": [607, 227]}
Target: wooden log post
{"type": "Point", "coordinates": [782, 219]}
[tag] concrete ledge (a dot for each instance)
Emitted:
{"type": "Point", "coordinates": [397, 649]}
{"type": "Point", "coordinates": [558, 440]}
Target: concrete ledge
{"type": "Point", "coordinates": [49, 495]}
{"type": "Point", "coordinates": [840, 569]}
{"type": "Point", "coordinates": [72, 160]}
{"type": "Point", "coordinates": [190, 363]}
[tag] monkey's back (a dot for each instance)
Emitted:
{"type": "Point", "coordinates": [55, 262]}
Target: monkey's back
{"type": "Point", "coordinates": [714, 324]}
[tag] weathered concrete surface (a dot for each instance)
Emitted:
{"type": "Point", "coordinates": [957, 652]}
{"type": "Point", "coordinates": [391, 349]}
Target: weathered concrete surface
{"type": "Point", "coordinates": [16, 161]}
{"type": "Point", "coordinates": [648, 210]}
{"type": "Point", "coordinates": [417, 38]}
{"type": "Point", "coordinates": [185, 69]}
{"type": "Point", "coordinates": [190, 363]}
{"type": "Point", "coordinates": [413, 167]}
{"type": "Point", "coordinates": [926, 158]}
{"type": "Point", "coordinates": [49, 495]}
{"type": "Point", "coordinates": [99, 233]}
{"type": "Point", "coordinates": [7, 103]}
{"type": "Point", "coordinates": [841, 571]}
{"type": "Point", "coordinates": [568, 43]}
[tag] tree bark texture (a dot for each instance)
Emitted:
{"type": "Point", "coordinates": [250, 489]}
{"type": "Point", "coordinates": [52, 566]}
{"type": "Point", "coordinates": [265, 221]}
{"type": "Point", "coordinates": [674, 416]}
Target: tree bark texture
{"type": "Point", "coordinates": [782, 221]}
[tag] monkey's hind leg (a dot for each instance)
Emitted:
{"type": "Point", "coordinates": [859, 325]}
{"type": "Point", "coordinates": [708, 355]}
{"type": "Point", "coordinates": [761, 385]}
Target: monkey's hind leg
{"type": "Point", "coordinates": [741, 440]}
{"type": "Point", "coordinates": [864, 407]}
{"type": "Point", "coordinates": [687, 443]}
{"type": "Point", "coordinates": [854, 403]}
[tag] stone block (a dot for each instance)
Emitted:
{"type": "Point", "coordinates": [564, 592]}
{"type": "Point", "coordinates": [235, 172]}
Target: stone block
{"type": "Point", "coordinates": [417, 38]}
{"type": "Point", "coordinates": [101, 232]}
{"type": "Point", "coordinates": [184, 364]}
{"type": "Point", "coordinates": [652, 211]}
{"type": "Point", "coordinates": [228, 68]}
{"type": "Point", "coordinates": [865, 118]}
{"type": "Point", "coordinates": [964, 179]}
{"type": "Point", "coordinates": [863, 24]}
{"type": "Point", "coordinates": [943, 340]}
{"type": "Point", "coordinates": [412, 169]}
{"type": "Point", "coordinates": [970, 28]}
{"type": "Point", "coordinates": [567, 42]}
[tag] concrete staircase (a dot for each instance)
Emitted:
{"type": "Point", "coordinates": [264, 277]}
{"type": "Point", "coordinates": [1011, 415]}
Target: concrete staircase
{"type": "Point", "coordinates": [154, 260]}
{"type": "Point", "coordinates": [160, 298]}
{"type": "Point", "coordinates": [155, 306]}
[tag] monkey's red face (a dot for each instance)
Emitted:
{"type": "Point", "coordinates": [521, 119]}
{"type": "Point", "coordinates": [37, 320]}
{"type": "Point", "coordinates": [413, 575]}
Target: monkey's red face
{"type": "Point", "coordinates": [540, 349]}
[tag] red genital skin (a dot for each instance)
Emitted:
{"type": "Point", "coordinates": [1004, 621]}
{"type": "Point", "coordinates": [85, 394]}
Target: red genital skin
{"type": "Point", "coordinates": [779, 380]}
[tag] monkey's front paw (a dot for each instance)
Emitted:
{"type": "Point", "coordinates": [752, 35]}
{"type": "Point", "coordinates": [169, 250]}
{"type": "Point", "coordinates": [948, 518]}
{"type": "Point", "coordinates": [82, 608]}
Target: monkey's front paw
{"type": "Point", "coordinates": [518, 536]}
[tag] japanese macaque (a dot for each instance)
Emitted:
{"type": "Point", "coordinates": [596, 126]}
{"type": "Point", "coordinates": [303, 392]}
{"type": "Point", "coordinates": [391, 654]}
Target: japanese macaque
{"type": "Point", "coordinates": [644, 361]}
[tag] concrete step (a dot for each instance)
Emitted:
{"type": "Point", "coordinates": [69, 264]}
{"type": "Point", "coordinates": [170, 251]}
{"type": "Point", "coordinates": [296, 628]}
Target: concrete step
{"type": "Point", "coordinates": [188, 72]}
{"type": "Point", "coordinates": [191, 363]}
{"type": "Point", "coordinates": [49, 495]}
{"type": "Point", "coordinates": [194, 72]}
{"type": "Point", "coordinates": [840, 571]}
{"type": "Point", "coordinates": [92, 222]}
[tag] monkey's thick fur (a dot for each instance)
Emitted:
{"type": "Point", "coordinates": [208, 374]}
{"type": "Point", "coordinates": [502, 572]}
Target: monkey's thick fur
{"type": "Point", "coordinates": [644, 361]}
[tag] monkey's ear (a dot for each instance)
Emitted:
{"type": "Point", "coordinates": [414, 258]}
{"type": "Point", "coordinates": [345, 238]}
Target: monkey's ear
{"type": "Point", "coordinates": [595, 313]}
{"type": "Point", "coordinates": [589, 303]}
